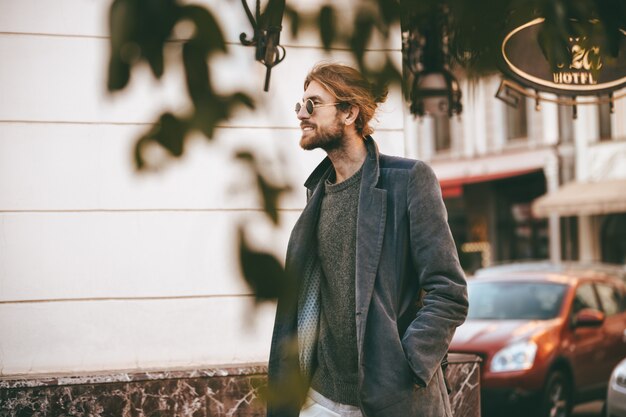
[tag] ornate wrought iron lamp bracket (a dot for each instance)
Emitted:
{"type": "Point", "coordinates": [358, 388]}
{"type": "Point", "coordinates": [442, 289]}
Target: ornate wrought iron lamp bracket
{"type": "Point", "coordinates": [266, 27]}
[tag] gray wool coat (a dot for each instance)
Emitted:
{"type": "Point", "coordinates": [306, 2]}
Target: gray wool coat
{"type": "Point", "coordinates": [410, 292]}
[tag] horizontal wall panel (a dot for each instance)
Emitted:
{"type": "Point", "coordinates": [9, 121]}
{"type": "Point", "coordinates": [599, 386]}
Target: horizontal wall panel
{"type": "Point", "coordinates": [48, 256]}
{"type": "Point", "coordinates": [64, 80]}
{"type": "Point", "coordinates": [90, 18]}
{"type": "Point", "coordinates": [96, 336]}
{"type": "Point", "coordinates": [86, 167]}
{"type": "Point", "coordinates": [67, 17]}
{"type": "Point", "coordinates": [47, 166]}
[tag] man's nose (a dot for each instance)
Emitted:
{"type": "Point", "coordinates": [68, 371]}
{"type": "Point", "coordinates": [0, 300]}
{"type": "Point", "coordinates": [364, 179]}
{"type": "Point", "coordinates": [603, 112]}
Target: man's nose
{"type": "Point", "coordinates": [303, 114]}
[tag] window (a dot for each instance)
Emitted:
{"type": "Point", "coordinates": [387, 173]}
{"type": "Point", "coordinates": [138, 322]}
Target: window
{"type": "Point", "coordinates": [585, 298]}
{"type": "Point", "coordinates": [514, 300]}
{"type": "Point", "coordinates": [610, 298]}
{"type": "Point", "coordinates": [517, 121]}
{"type": "Point", "coordinates": [613, 238]}
{"type": "Point", "coordinates": [441, 125]}
{"type": "Point", "coordinates": [604, 121]}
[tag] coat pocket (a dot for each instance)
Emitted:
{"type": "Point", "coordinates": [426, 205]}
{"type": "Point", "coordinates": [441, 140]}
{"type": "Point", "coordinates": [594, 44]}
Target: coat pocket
{"type": "Point", "coordinates": [430, 401]}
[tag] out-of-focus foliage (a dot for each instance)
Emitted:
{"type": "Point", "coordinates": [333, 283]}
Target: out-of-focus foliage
{"type": "Point", "coordinates": [263, 272]}
{"type": "Point", "coordinates": [141, 30]}
{"type": "Point", "coordinates": [270, 193]}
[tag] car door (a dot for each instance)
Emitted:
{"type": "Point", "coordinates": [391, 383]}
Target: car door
{"type": "Point", "coordinates": [586, 343]}
{"type": "Point", "coordinates": [612, 302]}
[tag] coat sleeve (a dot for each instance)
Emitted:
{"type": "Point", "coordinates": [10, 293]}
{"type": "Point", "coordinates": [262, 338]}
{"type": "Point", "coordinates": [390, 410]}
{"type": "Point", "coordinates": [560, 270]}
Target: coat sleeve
{"type": "Point", "coordinates": [441, 279]}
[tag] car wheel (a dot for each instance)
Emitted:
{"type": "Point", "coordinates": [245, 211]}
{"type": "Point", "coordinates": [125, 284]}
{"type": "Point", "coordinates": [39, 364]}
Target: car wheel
{"type": "Point", "coordinates": [557, 396]}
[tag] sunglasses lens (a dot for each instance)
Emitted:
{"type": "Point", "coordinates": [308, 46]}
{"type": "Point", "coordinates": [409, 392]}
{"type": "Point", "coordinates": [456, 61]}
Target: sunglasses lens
{"type": "Point", "coordinates": [309, 106]}
{"type": "Point", "coordinates": [298, 107]}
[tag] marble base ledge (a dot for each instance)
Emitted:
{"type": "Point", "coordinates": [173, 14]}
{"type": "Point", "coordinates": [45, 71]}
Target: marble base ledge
{"type": "Point", "coordinates": [229, 391]}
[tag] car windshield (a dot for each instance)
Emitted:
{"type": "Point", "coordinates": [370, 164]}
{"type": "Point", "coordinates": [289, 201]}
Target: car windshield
{"type": "Point", "coordinates": [514, 300]}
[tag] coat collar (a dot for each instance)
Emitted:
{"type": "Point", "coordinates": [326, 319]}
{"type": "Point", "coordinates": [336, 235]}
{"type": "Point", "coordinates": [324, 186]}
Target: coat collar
{"type": "Point", "coordinates": [371, 170]}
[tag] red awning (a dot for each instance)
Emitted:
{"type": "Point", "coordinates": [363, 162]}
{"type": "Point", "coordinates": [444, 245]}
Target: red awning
{"type": "Point", "coordinates": [451, 188]}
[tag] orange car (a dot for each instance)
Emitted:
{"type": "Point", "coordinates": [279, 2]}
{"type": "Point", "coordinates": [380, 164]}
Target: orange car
{"type": "Point", "coordinates": [549, 335]}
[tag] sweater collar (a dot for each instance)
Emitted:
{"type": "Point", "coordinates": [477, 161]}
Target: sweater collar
{"type": "Point", "coordinates": [371, 170]}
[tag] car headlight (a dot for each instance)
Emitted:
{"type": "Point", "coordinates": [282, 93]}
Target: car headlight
{"type": "Point", "coordinates": [619, 374]}
{"type": "Point", "coordinates": [516, 357]}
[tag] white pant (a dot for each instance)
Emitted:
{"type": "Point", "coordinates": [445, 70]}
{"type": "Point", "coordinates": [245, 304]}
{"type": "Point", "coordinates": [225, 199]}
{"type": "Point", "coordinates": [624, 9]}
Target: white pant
{"type": "Point", "coordinates": [316, 405]}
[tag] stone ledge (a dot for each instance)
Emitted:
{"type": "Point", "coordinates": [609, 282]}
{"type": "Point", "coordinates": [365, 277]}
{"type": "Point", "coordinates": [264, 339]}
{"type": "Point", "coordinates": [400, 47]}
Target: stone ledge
{"type": "Point", "coordinates": [44, 380]}
{"type": "Point", "coordinates": [231, 390]}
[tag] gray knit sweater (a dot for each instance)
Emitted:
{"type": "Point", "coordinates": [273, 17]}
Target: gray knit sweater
{"type": "Point", "coordinates": [336, 375]}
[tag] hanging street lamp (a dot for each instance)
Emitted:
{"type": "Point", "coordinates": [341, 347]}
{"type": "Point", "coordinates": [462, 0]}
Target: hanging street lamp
{"type": "Point", "coordinates": [433, 88]}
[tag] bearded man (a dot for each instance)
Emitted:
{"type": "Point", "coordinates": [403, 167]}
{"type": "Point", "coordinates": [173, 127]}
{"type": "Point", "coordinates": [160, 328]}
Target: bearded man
{"type": "Point", "coordinates": [380, 288]}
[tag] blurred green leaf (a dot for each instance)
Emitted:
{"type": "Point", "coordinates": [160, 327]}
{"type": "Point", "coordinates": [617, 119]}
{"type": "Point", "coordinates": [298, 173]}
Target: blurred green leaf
{"type": "Point", "coordinates": [118, 74]}
{"type": "Point", "coordinates": [262, 271]}
{"type": "Point", "coordinates": [388, 75]}
{"type": "Point", "coordinates": [208, 36]}
{"type": "Point", "coordinates": [156, 20]}
{"type": "Point", "coordinates": [293, 17]}
{"type": "Point", "coordinates": [169, 133]}
{"type": "Point", "coordinates": [241, 99]}
{"type": "Point", "coordinates": [139, 30]}
{"type": "Point", "coordinates": [197, 73]}
{"type": "Point", "coordinates": [270, 193]}
{"type": "Point", "coordinates": [612, 15]}
{"type": "Point", "coordinates": [389, 10]}
{"type": "Point", "coordinates": [327, 24]}
{"type": "Point", "coordinates": [363, 26]}
{"type": "Point", "coordinates": [122, 20]}
{"type": "Point", "coordinates": [289, 392]}
{"type": "Point", "coordinates": [272, 16]}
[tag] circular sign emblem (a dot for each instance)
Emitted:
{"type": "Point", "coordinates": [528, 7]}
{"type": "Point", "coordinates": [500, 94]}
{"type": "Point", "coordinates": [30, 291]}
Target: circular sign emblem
{"type": "Point", "coordinates": [587, 69]}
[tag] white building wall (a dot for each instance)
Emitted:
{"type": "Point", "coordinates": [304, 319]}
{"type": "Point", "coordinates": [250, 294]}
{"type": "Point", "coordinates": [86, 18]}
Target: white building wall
{"type": "Point", "coordinates": [585, 133]}
{"type": "Point", "coordinates": [549, 119]}
{"type": "Point", "coordinates": [495, 112]}
{"type": "Point", "coordinates": [101, 267]}
{"type": "Point", "coordinates": [598, 161]}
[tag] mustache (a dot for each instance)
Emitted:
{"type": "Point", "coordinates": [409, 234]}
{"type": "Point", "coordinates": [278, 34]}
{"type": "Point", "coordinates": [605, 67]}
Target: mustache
{"type": "Point", "coordinates": [304, 124]}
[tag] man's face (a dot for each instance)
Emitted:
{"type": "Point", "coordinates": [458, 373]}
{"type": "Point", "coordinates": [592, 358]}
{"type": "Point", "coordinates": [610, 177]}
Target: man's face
{"type": "Point", "coordinates": [324, 128]}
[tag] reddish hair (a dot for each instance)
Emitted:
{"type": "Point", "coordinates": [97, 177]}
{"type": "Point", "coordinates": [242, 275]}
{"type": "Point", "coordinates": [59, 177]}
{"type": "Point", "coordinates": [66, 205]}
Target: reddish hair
{"type": "Point", "coordinates": [350, 88]}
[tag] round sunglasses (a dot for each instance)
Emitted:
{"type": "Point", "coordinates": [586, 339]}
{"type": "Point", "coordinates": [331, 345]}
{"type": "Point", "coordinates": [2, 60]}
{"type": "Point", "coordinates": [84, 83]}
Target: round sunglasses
{"type": "Point", "coordinates": [309, 106]}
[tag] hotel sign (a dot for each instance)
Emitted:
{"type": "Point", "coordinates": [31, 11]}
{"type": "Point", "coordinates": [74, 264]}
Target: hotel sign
{"type": "Point", "coordinates": [586, 70]}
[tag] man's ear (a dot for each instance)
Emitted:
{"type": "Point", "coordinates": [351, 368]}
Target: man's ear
{"type": "Point", "coordinates": [351, 114]}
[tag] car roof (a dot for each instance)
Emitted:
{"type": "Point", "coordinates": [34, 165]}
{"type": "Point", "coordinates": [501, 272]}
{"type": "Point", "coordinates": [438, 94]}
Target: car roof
{"type": "Point", "coordinates": [564, 272]}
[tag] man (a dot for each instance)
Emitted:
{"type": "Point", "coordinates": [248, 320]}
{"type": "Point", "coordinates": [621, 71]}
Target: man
{"type": "Point", "coordinates": [380, 289]}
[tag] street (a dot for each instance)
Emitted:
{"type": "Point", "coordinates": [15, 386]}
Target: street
{"type": "Point", "coordinates": [591, 409]}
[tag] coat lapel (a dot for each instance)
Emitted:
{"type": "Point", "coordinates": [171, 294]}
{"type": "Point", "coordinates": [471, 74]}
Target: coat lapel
{"type": "Point", "coordinates": [302, 243]}
{"type": "Point", "coordinates": [369, 235]}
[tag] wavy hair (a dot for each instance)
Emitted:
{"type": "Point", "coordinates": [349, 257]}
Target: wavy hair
{"type": "Point", "coordinates": [350, 88]}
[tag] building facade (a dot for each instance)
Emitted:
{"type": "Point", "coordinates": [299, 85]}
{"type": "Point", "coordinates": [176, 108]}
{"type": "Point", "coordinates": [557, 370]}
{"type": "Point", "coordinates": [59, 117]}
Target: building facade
{"type": "Point", "coordinates": [495, 161]}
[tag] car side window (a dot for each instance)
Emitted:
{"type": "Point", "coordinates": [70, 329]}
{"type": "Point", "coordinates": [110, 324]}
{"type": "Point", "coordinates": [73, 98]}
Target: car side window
{"type": "Point", "coordinates": [610, 298]}
{"type": "Point", "coordinates": [585, 298]}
